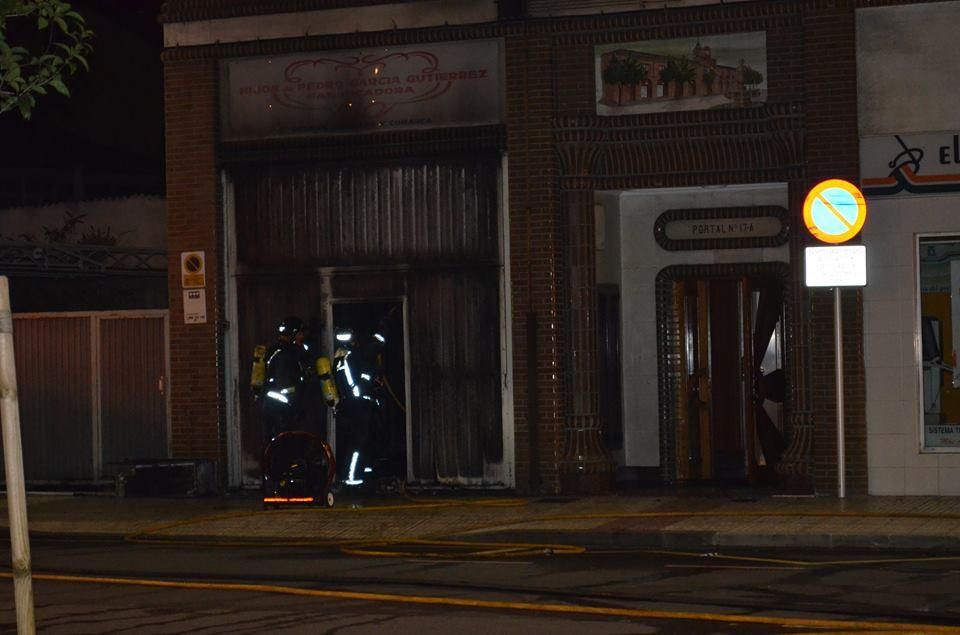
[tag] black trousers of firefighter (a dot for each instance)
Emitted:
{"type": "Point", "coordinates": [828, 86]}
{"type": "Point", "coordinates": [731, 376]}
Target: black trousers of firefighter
{"type": "Point", "coordinates": [281, 418]}
{"type": "Point", "coordinates": [359, 427]}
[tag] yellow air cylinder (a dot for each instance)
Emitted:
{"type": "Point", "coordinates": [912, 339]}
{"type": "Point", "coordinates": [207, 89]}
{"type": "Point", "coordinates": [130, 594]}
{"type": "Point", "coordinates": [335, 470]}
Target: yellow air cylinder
{"type": "Point", "coordinates": [325, 373]}
{"type": "Point", "coordinates": [258, 373]}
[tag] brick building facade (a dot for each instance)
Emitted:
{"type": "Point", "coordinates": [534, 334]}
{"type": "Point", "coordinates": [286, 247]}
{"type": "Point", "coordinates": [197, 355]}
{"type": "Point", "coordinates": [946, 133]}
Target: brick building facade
{"type": "Point", "coordinates": [557, 163]}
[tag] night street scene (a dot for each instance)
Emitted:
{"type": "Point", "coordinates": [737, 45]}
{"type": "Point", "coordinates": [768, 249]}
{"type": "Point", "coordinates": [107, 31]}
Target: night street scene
{"type": "Point", "coordinates": [479, 316]}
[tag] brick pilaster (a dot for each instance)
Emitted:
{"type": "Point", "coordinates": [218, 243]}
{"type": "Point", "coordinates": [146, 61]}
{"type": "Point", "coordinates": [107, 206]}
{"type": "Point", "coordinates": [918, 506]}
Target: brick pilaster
{"type": "Point", "coordinates": [832, 151]}
{"type": "Point", "coordinates": [192, 204]}
{"type": "Point", "coordinates": [537, 260]}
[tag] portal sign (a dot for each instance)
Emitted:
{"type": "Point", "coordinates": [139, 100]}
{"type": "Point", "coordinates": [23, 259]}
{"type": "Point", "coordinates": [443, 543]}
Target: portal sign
{"type": "Point", "coordinates": [719, 228]}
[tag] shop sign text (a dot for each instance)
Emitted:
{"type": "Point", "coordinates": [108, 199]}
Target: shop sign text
{"type": "Point", "coordinates": [910, 164]}
{"type": "Point", "coordinates": [337, 92]}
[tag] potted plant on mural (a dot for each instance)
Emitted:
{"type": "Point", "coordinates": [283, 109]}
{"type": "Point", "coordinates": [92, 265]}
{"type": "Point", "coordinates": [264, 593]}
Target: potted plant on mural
{"type": "Point", "coordinates": [613, 75]}
{"type": "Point", "coordinates": [635, 75]}
{"type": "Point", "coordinates": [679, 71]}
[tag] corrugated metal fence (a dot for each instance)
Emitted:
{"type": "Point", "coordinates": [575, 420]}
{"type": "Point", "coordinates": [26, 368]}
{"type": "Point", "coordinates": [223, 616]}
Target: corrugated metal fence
{"type": "Point", "coordinates": [91, 389]}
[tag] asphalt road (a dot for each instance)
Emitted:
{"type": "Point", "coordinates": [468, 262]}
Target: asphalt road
{"type": "Point", "coordinates": [107, 588]}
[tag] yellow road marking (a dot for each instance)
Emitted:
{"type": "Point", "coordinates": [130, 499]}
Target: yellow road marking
{"type": "Point", "coordinates": [755, 567]}
{"type": "Point", "coordinates": [535, 607]}
{"type": "Point", "coordinates": [480, 549]}
{"type": "Point", "coordinates": [780, 561]}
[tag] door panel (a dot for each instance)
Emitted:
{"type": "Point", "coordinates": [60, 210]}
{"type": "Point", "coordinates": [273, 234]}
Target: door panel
{"type": "Point", "coordinates": [132, 393]}
{"type": "Point", "coordinates": [704, 384]}
{"type": "Point", "coordinates": [715, 427]}
{"type": "Point", "coordinates": [53, 357]}
{"type": "Point", "coordinates": [694, 435]}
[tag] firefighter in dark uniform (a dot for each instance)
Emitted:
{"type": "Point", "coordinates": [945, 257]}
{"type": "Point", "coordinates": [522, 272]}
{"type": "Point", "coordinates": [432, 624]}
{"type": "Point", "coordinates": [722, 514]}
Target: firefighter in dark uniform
{"type": "Point", "coordinates": [297, 466]}
{"type": "Point", "coordinates": [358, 372]}
{"type": "Point", "coordinates": [285, 368]}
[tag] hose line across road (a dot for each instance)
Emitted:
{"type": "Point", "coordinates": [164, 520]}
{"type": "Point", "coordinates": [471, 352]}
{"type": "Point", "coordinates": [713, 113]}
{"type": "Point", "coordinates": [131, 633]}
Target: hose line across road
{"type": "Point", "coordinates": [470, 528]}
{"type": "Point", "coordinates": [497, 605]}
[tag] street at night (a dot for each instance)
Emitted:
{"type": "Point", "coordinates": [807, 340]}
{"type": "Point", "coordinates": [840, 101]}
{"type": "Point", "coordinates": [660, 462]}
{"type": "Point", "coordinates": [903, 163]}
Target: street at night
{"type": "Point", "coordinates": [280, 589]}
{"type": "Point", "coordinates": [479, 316]}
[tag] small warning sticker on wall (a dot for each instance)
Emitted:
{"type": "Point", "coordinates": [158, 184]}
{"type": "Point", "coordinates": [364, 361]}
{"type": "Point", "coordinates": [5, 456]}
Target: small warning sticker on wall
{"type": "Point", "coordinates": [193, 269]}
{"type": "Point", "coordinates": [194, 306]}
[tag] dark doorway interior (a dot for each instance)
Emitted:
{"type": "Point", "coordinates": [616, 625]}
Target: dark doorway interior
{"type": "Point", "coordinates": [387, 433]}
{"type": "Point", "coordinates": [611, 395]}
{"type": "Point", "coordinates": [728, 373]}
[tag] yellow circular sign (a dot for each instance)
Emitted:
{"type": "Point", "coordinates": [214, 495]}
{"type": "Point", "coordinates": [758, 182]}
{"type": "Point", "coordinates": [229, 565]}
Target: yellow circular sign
{"type": "Point", "coordinates": [834, 211]}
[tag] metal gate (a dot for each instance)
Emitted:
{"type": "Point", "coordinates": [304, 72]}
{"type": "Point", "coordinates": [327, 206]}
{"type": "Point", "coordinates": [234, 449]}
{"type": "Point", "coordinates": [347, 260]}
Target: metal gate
{"type": "Point", "coordinates": [91, 390]}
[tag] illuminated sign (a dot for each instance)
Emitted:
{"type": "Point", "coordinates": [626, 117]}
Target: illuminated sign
{"type": "Point", "coordinates": [837, 266]}
{"type": "Point", "coordinates": [834, 211]}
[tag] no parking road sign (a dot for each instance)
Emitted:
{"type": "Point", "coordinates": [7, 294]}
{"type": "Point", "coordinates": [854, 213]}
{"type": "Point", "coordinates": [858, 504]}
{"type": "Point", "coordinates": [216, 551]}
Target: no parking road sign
{"type": "Point", "coordinates": [834, 211]}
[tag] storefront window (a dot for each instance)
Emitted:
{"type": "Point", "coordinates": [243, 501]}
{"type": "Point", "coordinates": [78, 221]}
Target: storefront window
{"type": "Point", "coordinates": [939, 259]}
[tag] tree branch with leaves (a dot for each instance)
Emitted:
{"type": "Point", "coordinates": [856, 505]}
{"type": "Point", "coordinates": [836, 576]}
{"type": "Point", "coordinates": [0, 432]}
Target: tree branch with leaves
{"type": "Point", "coordinates": [41, 43]}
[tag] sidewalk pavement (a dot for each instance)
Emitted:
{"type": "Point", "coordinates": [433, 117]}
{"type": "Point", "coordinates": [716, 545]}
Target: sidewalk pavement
{"type": "Point", "coordinates": [625, 521]}
{"type": "Point", "coordinates": [621, 521]}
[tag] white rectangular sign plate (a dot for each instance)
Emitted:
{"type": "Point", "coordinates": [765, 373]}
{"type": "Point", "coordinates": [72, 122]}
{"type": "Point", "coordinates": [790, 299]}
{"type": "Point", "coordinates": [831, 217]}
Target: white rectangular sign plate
{"type": "Point", "coordinates": [838, 266]}
{"type": "Point", "coordinates": [194, 306]}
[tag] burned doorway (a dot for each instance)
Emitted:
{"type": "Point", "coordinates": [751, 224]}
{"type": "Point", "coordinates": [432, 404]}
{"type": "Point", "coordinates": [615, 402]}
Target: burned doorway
{"type": "Point", "coordinates": [723, 373]}
{"type": "Point", "coordinates": [306, 237]}
{"type": "Point", "coordinates": [377, 325]}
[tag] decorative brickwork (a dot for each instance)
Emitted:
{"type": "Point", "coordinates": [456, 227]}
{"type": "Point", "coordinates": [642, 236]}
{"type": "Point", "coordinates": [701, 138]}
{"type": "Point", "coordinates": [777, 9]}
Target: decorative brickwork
{"type": "Point", "coordinates": [585, 466]}
{"type": "Point", "coordinates": [685, 148]}
{"type": "Point", "coordinates": [537, 255]}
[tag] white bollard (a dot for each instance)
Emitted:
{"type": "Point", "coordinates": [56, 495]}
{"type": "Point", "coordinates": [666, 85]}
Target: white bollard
{"type": "Point", "coordinates": [13, 463]}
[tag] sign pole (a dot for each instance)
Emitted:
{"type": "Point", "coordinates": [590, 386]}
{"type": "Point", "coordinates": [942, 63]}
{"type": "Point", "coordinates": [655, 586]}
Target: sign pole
{"type": "Point", "coordinates": [834, 212]}
{"type": "Point", "coordinates": [838, 353]}
{"type": "Point", "coordinates": [13, 468]}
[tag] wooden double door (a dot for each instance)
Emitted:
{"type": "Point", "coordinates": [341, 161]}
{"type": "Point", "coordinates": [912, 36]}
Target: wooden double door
{"type": "Point", "coordinates": [729, 429]}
